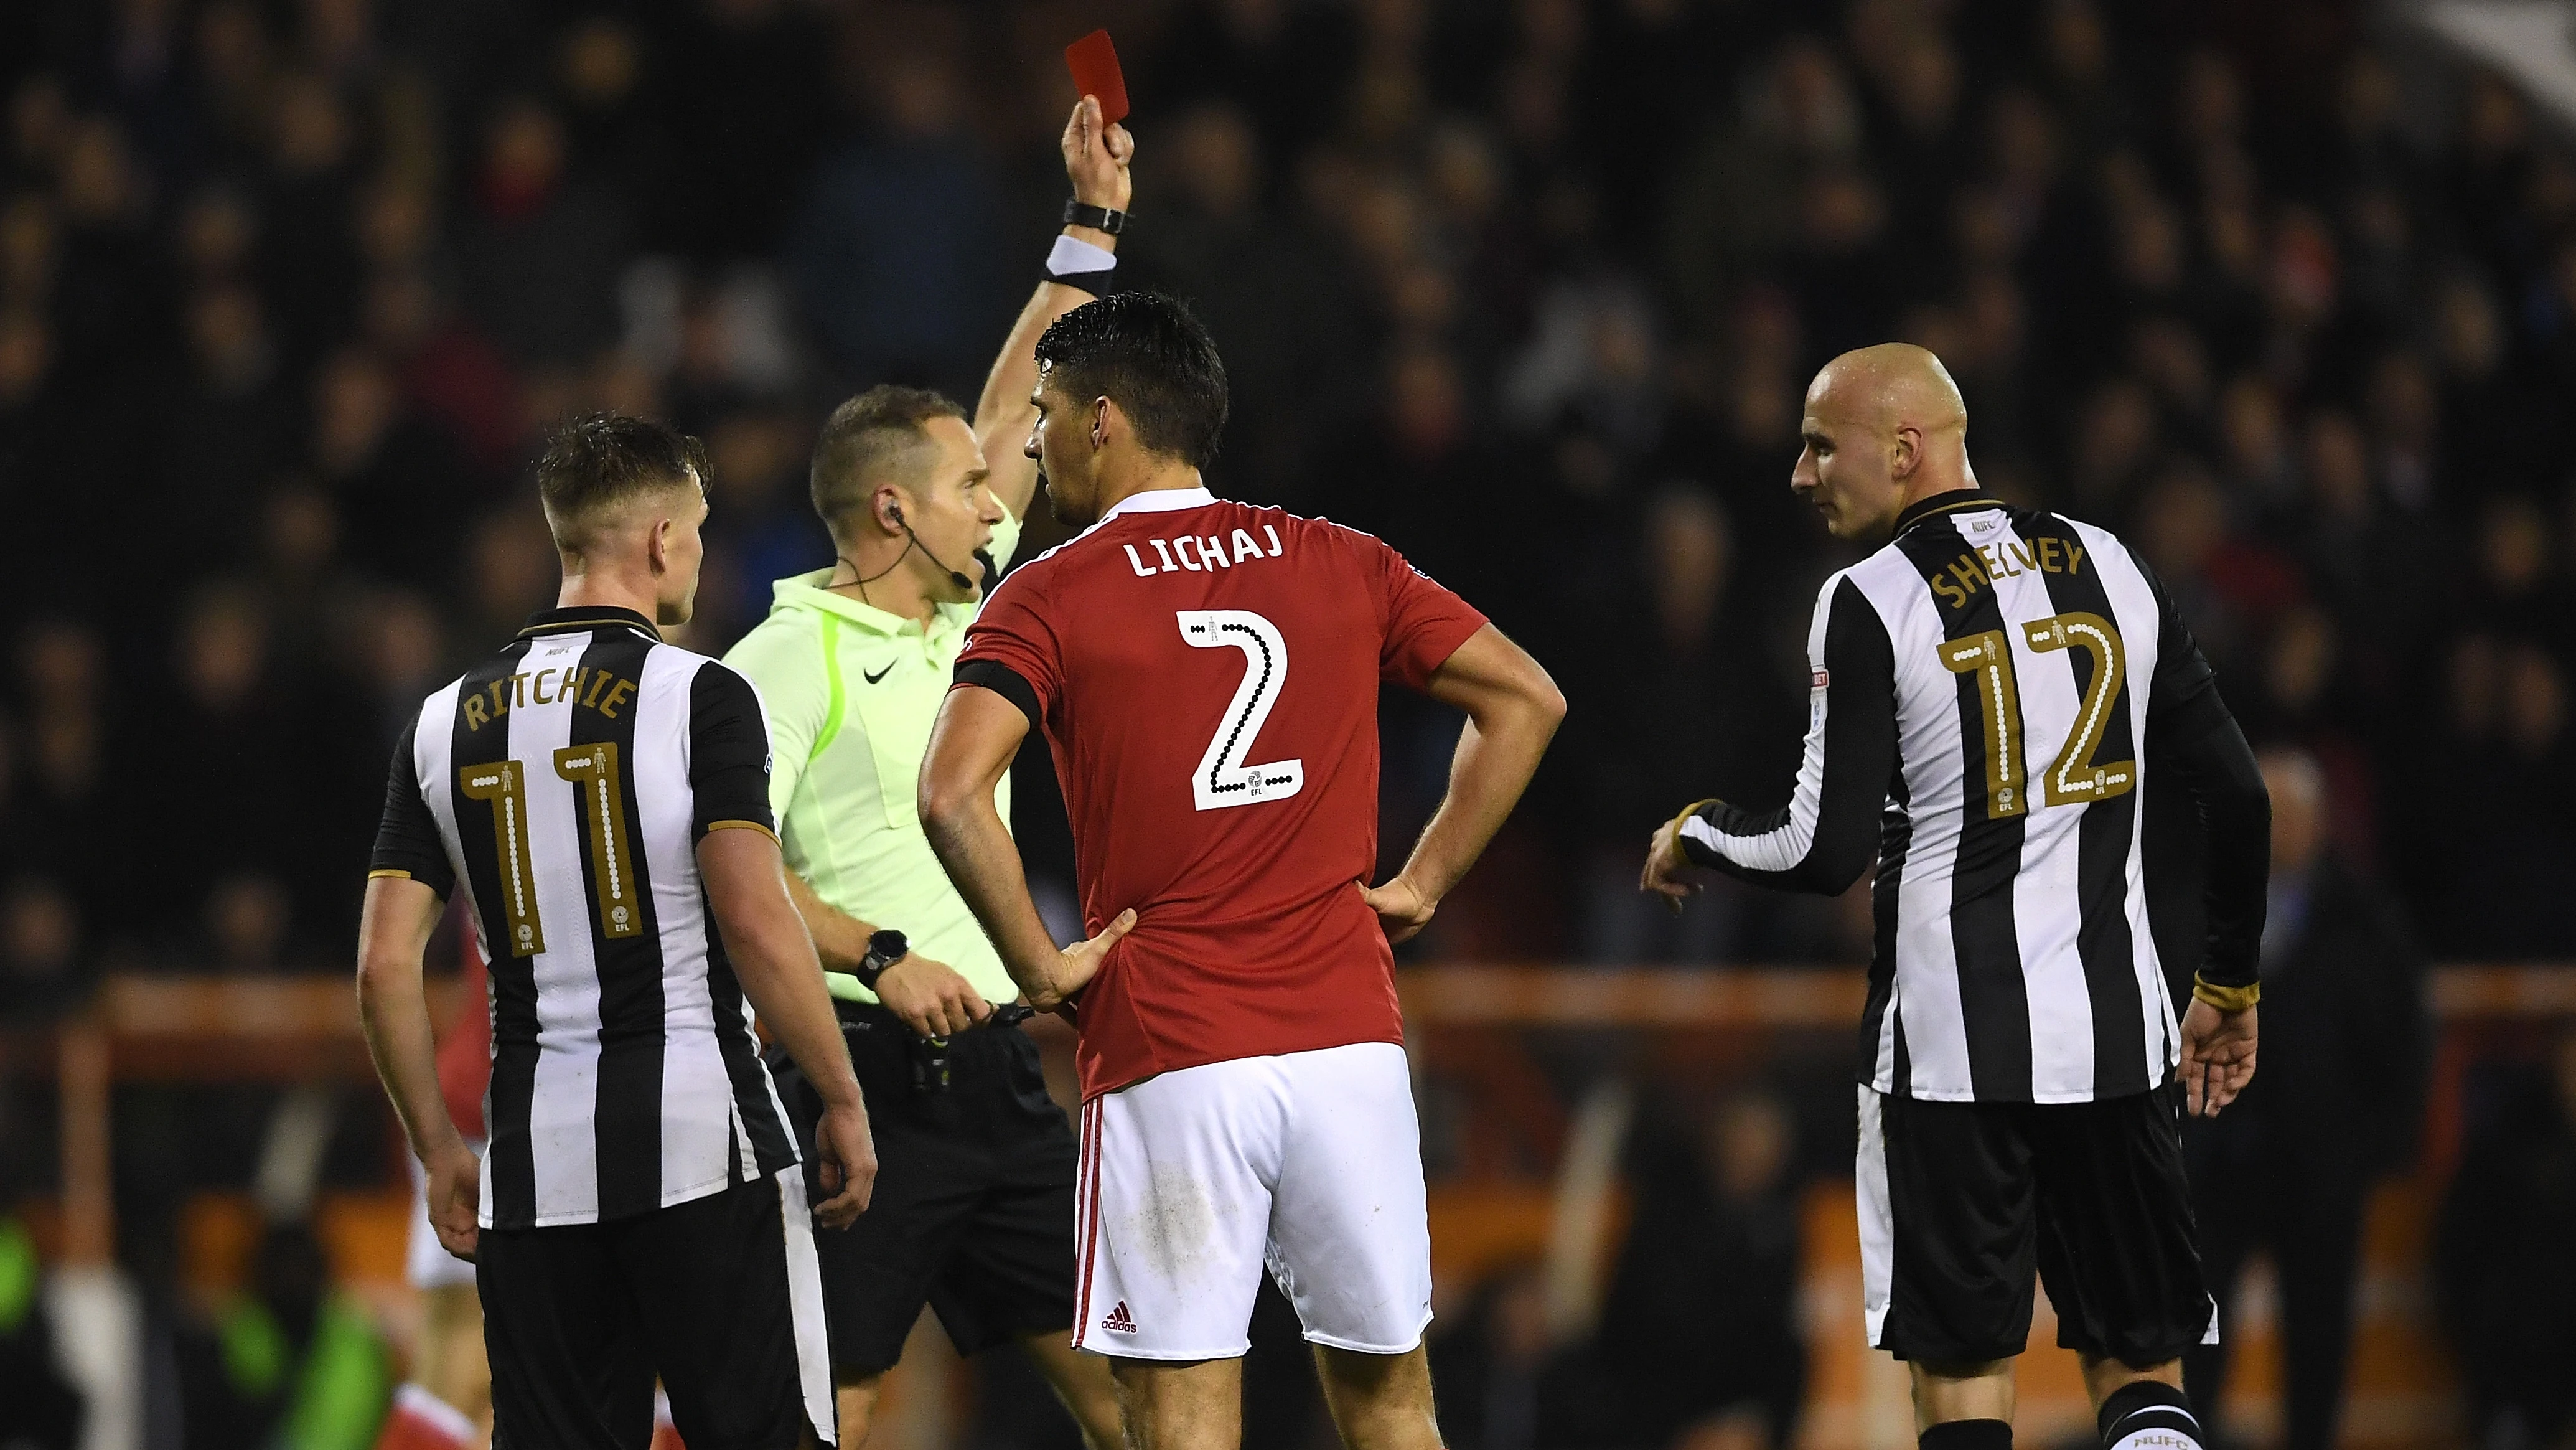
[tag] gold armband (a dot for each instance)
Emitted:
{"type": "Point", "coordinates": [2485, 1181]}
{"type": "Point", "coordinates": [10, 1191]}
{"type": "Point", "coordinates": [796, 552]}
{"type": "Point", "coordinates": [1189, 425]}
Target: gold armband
{"type": "Point", "coordinates": [2226, 999]}
{"type": "Point", "coordinates": [1674, 826]}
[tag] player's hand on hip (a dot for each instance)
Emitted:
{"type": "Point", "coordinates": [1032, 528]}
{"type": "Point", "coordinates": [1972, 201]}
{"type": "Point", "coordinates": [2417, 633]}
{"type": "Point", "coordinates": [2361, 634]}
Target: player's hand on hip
{"type": "Point", "coordinates": [455, 1196]}
{"type": "Point", "coordinates": [2217, 1056]}
{"type": "Point", "coordinates": [930, 997]}
{"type": "Point", "coordinates": [1081, 962]}
{"type": "Point", "coordinates": [1664, 867]}
{"type": "Point", "coordinates": [1096, 157]}
{"type": "Point", "coordinates": [1402, 910]}
{"type": "Point", "coordinates": [849, 1164]}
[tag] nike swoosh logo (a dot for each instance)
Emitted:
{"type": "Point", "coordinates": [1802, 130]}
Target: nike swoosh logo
{"type": "Point", "coordinates": [879, 675]}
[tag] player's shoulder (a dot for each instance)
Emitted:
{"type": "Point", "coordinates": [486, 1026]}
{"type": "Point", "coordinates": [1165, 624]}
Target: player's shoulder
{"type": "Point", "coordinates": [2111, 553]}
{"type": "Point", "coordinates": [1887, 580]}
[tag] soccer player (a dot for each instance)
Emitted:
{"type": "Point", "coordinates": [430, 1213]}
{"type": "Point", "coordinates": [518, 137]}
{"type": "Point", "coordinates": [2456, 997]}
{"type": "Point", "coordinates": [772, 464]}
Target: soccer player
{"type": "Point", "coordinates": [1207, 675]}
{"type": "Point", "coordinates": [1989, 689]}
{"type": "Point", "coordinates": [973, 1210]}
{"type": "Point", "coordinates": [602, 800]}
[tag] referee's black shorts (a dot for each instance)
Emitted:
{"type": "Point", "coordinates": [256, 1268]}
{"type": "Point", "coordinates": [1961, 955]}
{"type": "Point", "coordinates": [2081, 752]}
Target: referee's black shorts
{"type": "Point", "coordinates": [1959, 1202]}
{"type": "Point", "coordinates": [717, 1295]}
{"type": "Point", "coordinates": [973, 1208]}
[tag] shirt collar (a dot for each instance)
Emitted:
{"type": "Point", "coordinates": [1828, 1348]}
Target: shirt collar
{"type": "Point", "coordinates": [586, 616]}
{"type": "Point", "coordinates": [807, 590]}
{"type": "Point", "coordinates": [1159, 501]}
{"type": "Point", "coordinates": [1948, 501]}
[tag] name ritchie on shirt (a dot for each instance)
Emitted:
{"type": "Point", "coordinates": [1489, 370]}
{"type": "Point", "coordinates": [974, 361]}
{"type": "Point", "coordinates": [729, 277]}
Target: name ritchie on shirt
{"type": "Point", "coordinates": [601, 690]}
{"type": "Point", "coordinates": [1197, 554]}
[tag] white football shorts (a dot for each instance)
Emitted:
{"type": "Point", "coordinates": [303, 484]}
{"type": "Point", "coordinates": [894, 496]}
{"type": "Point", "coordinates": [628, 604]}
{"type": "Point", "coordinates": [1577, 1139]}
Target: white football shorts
{"type": "Point", "coordinates": [426, 1261]}
{"type": "Point", "coordinates": [1193, 1181]}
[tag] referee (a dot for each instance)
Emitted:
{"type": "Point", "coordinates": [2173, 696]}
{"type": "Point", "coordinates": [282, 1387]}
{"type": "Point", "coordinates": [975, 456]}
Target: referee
{"type": "Point", "coordinates": [602, 800]}
{"type": "Point", "coordinates": [1988, 692]}
{"type": "Point", "coordinates": [974, 1204]}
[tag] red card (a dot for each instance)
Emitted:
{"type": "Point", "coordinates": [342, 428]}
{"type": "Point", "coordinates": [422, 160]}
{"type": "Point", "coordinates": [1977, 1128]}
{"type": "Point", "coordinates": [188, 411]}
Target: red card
{"type": "Point", "coordinates": [1094, 63]}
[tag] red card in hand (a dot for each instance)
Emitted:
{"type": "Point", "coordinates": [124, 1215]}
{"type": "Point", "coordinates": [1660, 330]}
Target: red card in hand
{"type": "Point", "coordinates": [1094, 63]}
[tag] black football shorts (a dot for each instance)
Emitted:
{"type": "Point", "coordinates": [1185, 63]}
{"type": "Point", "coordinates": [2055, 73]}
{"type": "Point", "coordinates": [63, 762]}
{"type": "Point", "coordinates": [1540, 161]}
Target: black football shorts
{"type": "Point", "coordinates": [718, 1295]}
{"type": "Point", "coordinates": [1961, 1202]}
{"type": "Point", "coordinates": [973, 1208]}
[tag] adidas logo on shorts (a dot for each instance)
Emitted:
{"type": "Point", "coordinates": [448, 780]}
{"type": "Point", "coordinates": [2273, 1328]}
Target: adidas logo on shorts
{"type": "Point", "coordinates": [1117, 1322]}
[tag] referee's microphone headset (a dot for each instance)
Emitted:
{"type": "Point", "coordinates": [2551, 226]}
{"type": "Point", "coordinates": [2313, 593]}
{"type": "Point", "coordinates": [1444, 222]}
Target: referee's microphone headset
{"type": "Point", "coordinates": [895, 512]}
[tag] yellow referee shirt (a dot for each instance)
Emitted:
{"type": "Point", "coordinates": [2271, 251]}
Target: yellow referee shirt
{"type": "Point", "coordinates": [851, 692]}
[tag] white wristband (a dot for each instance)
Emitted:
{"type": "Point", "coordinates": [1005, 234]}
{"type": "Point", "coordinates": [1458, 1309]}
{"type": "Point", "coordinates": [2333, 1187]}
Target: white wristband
{"type": "Point", "coordinates": [1073, 254]}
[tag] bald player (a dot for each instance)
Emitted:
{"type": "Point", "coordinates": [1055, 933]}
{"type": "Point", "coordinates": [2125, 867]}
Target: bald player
{"type": "Point", "coordinates": [1981, 690]}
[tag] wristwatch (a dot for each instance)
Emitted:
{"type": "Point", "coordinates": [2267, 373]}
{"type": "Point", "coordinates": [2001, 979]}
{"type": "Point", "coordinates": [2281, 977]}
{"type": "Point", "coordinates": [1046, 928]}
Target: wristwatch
{"type": "Point", "coordinates": [884, 950]}
{"type": "Point", "coordinates": [1100, 218]}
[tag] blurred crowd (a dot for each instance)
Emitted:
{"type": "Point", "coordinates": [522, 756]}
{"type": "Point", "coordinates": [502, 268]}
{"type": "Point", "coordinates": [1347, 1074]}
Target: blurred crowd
{"type": "Point", "coordinates": [288, 291]}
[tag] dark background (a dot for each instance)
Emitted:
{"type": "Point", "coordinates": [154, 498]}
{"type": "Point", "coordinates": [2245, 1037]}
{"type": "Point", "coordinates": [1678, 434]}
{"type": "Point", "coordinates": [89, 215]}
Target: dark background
{"type": "Point", "coordinates": [290, 292]}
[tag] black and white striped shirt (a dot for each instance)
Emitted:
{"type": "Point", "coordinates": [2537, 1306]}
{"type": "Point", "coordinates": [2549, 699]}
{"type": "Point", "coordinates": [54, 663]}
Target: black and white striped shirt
{"type": "Point", "coordinates": [564, 783]}
{"type": "Point", "coordinates": [1981, 690]}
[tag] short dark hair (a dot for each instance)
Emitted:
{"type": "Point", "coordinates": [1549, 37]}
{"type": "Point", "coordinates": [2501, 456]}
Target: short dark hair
{"type": "Point", "coordinates": [600, 460]}
{"type": "Point", "coordinates": [1147, 353]}
{"type": "Point", "coordinates": [863, 437]}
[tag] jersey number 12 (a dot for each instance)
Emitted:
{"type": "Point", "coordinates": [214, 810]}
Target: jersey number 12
{"type": "Point", "coordinates": [1223, 779]}
{"type": "Point", "coordinates": [2074, 777]}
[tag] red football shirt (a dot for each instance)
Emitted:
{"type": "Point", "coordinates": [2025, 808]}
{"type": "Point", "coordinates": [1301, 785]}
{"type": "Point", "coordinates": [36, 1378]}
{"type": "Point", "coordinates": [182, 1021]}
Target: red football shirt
{"type": "Point", "coordinates": [1207, 675]}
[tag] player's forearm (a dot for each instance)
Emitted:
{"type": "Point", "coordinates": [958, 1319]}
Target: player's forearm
{"type": "Point", "coordinates": [785, 986]}
{"type": "Point", "coordinates": [395, 1015]}
{"type": "Point", "coordinates": [773, 957]}
{"type": "Point", "coordinates": [1003, 414]}
{"type": "Point", "coordinates": [1826, 836]}
{"type": "Point", "coordinates": [840, 939]}
{"type": "Point", "coordinates": [983, 862]}
{"type": "Point", "coordinates": [393, 931]}
{"type": "Point", "coordinates": [1498, 752]}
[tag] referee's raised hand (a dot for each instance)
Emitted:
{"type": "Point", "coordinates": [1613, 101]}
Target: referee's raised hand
{"type": "Point", "coordinates": [2217, 1056]}
{"type": "Point", "coordinates": [1096, 157]}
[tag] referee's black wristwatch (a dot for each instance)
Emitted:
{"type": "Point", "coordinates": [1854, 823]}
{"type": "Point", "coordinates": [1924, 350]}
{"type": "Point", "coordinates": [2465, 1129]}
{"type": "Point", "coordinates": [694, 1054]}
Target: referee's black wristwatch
{"type": "Point", "coordinates": [884, 950]}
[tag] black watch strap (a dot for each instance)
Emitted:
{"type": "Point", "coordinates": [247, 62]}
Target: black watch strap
{"type": "Point", "coordinates": [1100, 218]}
{"type": "Point", "coordinates": [884, 950]}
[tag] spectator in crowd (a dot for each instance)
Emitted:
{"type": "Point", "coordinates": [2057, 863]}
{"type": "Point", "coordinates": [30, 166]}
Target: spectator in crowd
{"type": "Point", "coordinates": [2288, 1169]}
{"type": "Point", "coordinates": [2506, 1264]}
{"type": "Point", "coordinates": [287, 1363]}
{"type": "Point", "coordinates": [1505, 1381]}
{"type": "Point", "coordinates": [1716, 1224]}
{"type": "Point", "coordinates": [42, 974]}
{"type": "Point", "coordinates": [45, 1410]}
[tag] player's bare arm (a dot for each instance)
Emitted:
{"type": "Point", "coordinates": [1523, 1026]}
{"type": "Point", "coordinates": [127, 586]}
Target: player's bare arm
{"type": "Point", "coordinates": [775, 962]}
{"type": "Point", "coordinates": [1096, 159]}
{"type": "Point", "coordinates": [973, 743]}
{"type": "Point", "coordinates": [930, 996]}
{"type": "Point", "coordinates": [1512, 709]}
{"type": "Point", "coordinates": [393, 932]}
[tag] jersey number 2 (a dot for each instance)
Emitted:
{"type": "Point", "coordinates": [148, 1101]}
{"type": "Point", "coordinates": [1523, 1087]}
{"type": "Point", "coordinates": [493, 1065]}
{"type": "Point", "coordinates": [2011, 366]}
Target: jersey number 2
{"type": "Point", "coordinates": [612, 863]}
{"type": "Point", "coordinates": [2074, 777]}
{"type": "Point", "coordinates": [1223, 779]}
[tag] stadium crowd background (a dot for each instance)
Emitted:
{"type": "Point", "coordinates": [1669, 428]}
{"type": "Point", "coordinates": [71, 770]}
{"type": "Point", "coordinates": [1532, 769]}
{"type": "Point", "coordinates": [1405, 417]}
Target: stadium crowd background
{"type": "Point", "coordinates": [288, 291]}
